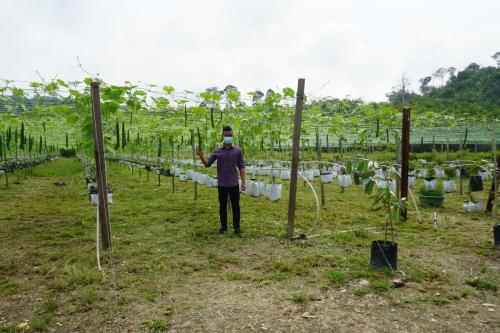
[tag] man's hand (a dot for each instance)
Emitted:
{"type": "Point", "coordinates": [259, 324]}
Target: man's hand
{"type": "Point", "coordinates": [243, 186]}
{"type": "Point", "coordinates": [199, 152]}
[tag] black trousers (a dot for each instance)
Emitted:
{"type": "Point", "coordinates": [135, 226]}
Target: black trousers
{"type": "Point", "coordinates": [234, 194]}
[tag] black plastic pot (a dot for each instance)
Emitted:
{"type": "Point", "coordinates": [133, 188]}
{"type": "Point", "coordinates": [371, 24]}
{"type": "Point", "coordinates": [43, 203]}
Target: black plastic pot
{"type": "Point", "coordinates": [384, 255]}
{"type": "Point", "coordinates": [496, 234]}
{"type": "Point", "coordinates": [357, 178]}
{"type": "Point", "coordinates": [476, 184]}
{"type": "Point", "coordinates": [431, 200]}
{"type": "Point", "coordinates": [463, 173]}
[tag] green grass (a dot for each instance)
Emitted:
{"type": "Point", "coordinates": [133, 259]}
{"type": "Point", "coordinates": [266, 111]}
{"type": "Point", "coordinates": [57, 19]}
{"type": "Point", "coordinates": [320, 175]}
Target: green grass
{"type": "Point", "coordinates": [336, 277]}
{"type": "Point", "coordinates": [65, 167]}
{"type": "Point", "coordinates": [362, 291]}
{"type": "Point", "coordinates": [300, 297]}
{"type": "Point", "coordinates": [380, 286]}
{"type": "Point", "coordinates": [482, 284]}
{"type": "Point", "coordinates": [8, 288]}
{"type": "Point", "coordinates": [43, 316]}
{"type": "Point", "coordinates": [155, 326]}
{"type": "Point", "coordinates": [168, 256]}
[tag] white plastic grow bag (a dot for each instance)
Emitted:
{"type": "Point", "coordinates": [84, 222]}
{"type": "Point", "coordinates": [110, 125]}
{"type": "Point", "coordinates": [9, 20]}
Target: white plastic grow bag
{"type": "Point", "coordinates": [326, 178]}
{"type": "Point", "coordinates": [382, 183]}
{"type": "Point", "coordinates": [472, 207]}
{"type": "Point", "coordinates": [422, 173]}
{"type": "Point", "coordinates": [264, 171]}
{"type": "Point", "coordinates": [484, 175]}
{"type": "Point", "coordinates": [209, 181]}
{"type": "Point", "coordinates": [94, 198]}
{"type": "Point", "coordinates": [430, 185]}
{"type": "Point", "coordinates": [255, 188]}
{"type": "Point", "coordinates": [189, 174]}
{"type": "Point", "coordinates": [379, 174]}
{"type": "Point", "coordinates": [336, 167]}
{"type": "Point", "coordinates": [412, 181]}
{"type": "Point", "coordinates": [273, 191]}
{"type": "Point", "coordinates": [449, 186]}
{"type": "Point", "coordinates": [439, 172]}
{"type": "Point", "coordinates": [345, 180]}
{"type": "Point", "coordinates": [201, 178]}
{"type": "Point", "coordinates": [183, 177]}
{"type": "Point", "coordinates": [285, 174]}
{"type": "Point", "coordinates": [194, 176]}
{"type": "Point", "coordinates": [307, 174]}
{"type": "Point", "coordinates": [315, 172]}
{"type": "Point", "coordinates": [275, 172]}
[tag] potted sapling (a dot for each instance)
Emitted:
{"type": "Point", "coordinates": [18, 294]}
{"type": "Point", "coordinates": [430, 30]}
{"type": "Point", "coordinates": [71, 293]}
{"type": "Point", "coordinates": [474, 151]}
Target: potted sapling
{"type": "Point", "coordinates": [326, 176]}
{"type": "Point", "coordinates": [110, 194]}
{"type": "Point", "coordinates": [449, 184]}
{"type": "Point", "coordinates": [344, 178]}
{"type": "Point", "coordinates": [412, 178]}
{"type": "Point", "coordinates": [484, 174]}
{"type": "Point", "coordinates": [93, 195]}
{"type": "Point", "coordinates": [431, 196]}
{"type": "Point", "coordinates": [472, 205]}
{"type": "Point", "coordinates": [430, 180]}
{"type": "Point", "coordinates": [384, 253]}
{"type": "Point", "coordinates": [476, 181]}
{"type": "Point", "coordinates": [273, 191]}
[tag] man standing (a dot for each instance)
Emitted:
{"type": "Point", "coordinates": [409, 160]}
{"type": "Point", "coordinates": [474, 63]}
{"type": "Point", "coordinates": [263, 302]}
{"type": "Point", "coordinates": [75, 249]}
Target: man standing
{"type": "Point", "coordinates": [229, 158]}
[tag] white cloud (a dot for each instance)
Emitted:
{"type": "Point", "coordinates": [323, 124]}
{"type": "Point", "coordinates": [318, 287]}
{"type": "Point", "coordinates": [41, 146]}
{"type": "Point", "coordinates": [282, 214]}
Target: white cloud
{"type": "Point", "coordinates": [360, 47]}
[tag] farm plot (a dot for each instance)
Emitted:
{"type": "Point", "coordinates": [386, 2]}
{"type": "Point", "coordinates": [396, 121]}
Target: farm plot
{"type": "Point", "coordinates": [173, 272]}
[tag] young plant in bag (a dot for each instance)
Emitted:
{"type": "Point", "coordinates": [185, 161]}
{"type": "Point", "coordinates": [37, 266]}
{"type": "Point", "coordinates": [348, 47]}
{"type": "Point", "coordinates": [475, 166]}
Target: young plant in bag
{"type": "Point", "coordinates": [383, 199]}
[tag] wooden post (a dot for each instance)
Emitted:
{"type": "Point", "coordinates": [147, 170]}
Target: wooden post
{"type": "Point", "coordinates": [397, 139]}
{"type": "Point", "coordinates": [194, 164]}
{"type": "Point", "coordinates": [318, 149]}
{"type": "Point", "coordinates": [100, 163]}
{"type": "Point", "coordinates": [172, 163]}
{"type": "Point", "coordinates": [491, 204]}
{"type": "Point", "coordinates": [461, 178]}
{"type": "Point", "coordinates": [292, 199]}
{"type": "Point", "coordinates": [405, 156]}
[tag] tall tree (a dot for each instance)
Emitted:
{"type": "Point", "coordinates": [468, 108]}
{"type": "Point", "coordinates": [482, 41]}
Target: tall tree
{"type": "Point", "coordinates": [117, 132]}
{"type": "Point", "coordinates": [424, 85]}
{"type": "Point", "coordinates": [124, 137]}
{"type": "Point", "coordinates": [496, 57]}
{"type": "Point", "coordinates": [22, 138]}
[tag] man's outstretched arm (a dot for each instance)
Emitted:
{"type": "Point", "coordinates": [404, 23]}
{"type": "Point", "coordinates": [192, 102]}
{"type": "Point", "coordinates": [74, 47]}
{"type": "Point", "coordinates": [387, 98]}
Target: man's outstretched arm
{"type": "Point", "coordinates": [206, 162]}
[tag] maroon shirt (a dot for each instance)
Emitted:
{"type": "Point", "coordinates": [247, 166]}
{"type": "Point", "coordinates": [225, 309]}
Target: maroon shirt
{"type": "Point", "coordinates": [227, 162]}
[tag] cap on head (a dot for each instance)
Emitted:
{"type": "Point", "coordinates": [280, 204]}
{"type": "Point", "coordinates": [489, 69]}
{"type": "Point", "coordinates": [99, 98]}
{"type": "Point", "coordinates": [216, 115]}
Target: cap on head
{"type": "Point", "coordinates": [226, 128]}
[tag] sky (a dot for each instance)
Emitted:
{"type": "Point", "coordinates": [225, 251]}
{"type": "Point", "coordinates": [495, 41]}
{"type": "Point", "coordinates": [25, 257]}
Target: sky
{"type": "Point", "coordinates": [344, 48]}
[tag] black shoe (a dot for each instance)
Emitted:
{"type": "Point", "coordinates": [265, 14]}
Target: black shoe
{"type": "Point", "coordinates": [237, 233]}
{"type": "Point", "coordinates": [222, 231]}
